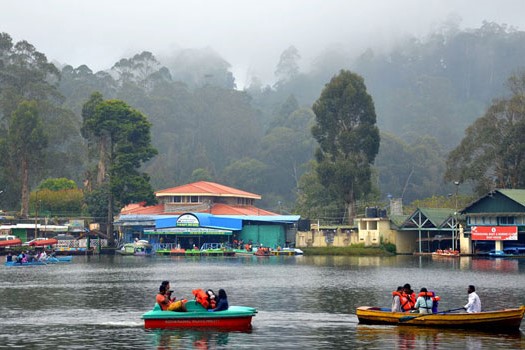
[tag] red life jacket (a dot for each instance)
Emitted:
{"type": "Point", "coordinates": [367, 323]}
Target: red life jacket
{"type": "Point", "coordinates": [408, 301]}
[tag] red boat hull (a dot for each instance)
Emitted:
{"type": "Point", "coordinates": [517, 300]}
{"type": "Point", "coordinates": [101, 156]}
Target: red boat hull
{"type": "Point", "coordinates": [230, 323]}
{"type": "Point", "coordinates": [44, 242]}
{"type": "Point", "coordinates": [10, 242]}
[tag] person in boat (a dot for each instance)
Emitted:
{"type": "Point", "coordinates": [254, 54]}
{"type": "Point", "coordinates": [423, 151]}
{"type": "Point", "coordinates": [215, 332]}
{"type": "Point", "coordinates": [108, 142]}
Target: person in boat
{"type": "Point", "coordinates": [212, 300]}
{"type": "Point", "coordinates": [424, 302]}
{"type": "Point", "coordinates": [396, 299]}
{"type": "Point", "coordinates": [222, 303]}
{"type": "Point", "coordinates": [43, 256]}
{"type": "Point", "coordinates": [9, 257]}
{"type": "Point", "coordinates": [474, 303]}
{"type": "Point", "coordinates": [408, 298]}
{"type": "Point", "coordinates": [22, 258]}
{"type": "Point", "coordinates": [166, 301]}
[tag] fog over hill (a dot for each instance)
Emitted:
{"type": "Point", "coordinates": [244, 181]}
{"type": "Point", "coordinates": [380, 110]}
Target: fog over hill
{"type": "Point", "coordinates": [250, 35]}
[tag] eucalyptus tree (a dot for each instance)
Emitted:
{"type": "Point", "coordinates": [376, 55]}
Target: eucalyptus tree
{"type": "Point", "coordinates": [288, 66]}
{"type": "Point", "coordinates": [26, 75]}
{"type": "Point", "coordinates": [26, 141]}
{"type": "Point", "coordinates": [492, 153]}
{"type": "Point", "coordinates": [348, 139]}
{"type": "Point", "coordinates": [123, 137]}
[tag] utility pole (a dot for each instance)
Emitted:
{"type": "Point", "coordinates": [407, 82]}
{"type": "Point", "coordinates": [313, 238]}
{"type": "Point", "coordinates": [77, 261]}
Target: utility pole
{"type": "Point", "coordinates": [455, 231]}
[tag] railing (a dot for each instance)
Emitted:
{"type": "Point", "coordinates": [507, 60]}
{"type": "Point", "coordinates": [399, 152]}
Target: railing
{"type": "Point", "coordinates": [165, 246]}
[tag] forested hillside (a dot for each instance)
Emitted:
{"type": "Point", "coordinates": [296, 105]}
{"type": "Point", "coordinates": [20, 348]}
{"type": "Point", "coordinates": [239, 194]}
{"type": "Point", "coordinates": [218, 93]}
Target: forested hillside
{"type": "Point", "coordinates": [426, 92]}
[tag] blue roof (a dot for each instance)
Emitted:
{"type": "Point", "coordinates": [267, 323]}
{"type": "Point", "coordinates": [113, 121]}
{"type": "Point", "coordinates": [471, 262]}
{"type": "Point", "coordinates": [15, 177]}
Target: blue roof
{"type": "Point", "coordinates": [227, 222]}
{"type": "Point", "coordinates": [205, 220]}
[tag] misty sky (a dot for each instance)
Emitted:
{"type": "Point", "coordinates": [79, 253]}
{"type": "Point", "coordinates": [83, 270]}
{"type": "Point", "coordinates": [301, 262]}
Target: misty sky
{"type": "Point", "coordinates": [249, 34]}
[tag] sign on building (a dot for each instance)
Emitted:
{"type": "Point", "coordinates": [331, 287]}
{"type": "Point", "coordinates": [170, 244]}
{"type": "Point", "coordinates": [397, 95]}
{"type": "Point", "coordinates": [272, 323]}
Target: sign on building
{"type": "Point", "coordinates": [494, 233]}
{"type": "Point", "coordinates": [187, 220]}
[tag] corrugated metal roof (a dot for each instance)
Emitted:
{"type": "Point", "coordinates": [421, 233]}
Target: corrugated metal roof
{"type": "Point", "coordinates": [514, 194]}
{"type": "Point", "coordinates": [438, 216]}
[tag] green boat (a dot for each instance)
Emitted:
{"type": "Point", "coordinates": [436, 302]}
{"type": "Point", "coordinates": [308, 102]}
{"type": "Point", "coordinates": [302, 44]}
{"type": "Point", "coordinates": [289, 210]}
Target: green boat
{"type": "Point", "coordinates": [211, 249]}
{"type": "Point", "coordinates": [238, 318]}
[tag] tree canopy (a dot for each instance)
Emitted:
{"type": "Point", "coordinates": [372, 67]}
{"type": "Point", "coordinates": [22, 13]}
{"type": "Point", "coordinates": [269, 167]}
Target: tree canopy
{"type": "Point", "coordinates": [123, 135]}
{"type": "Point", "coordinates": [492, 154]}
{"type": "Point", "coordinates": [348, 138]}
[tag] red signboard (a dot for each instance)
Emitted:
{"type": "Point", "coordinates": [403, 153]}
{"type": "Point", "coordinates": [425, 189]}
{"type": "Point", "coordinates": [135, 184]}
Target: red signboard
{"type": "Point", "coordinates": [494, 233]}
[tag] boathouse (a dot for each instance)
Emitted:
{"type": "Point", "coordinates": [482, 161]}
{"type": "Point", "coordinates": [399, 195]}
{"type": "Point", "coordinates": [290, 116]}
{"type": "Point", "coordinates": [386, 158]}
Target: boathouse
{"type": "Point", "coordinates": [494, 221]}
{"type": "Point", "coordinates": [205, 212]}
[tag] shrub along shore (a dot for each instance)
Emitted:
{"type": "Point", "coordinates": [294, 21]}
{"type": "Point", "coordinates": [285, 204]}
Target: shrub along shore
{"type": "Point", "coordinates": [353, 250]}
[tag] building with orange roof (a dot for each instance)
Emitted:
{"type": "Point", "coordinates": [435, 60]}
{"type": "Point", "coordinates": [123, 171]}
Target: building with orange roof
{"type": "Point", "coordinates": [201, 197]}
{"type": "Point", "coordinates": [218, 214]}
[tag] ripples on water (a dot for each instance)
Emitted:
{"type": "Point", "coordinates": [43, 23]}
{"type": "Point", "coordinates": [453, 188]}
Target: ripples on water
{"type": "Point", "coordinates": [303, 302]}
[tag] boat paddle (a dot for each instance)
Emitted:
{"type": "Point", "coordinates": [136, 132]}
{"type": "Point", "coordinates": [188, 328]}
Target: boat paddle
{"type": "Point", "coordinates": [408, 318]}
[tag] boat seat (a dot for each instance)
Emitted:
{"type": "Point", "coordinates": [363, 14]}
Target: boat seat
{"type": "Point", "coordinates": [194, 306]}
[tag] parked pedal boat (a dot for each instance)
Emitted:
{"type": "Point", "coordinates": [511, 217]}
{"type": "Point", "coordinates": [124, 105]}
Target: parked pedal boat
{"type": "Point", "coordinates": [504, 321]}
{"type": "Point", "coordinates": [235, 318]}
{"type": "Point", "coordinates": [50, 260]}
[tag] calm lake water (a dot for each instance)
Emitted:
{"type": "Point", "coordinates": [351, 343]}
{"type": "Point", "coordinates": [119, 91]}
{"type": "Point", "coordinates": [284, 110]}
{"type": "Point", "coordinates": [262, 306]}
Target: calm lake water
{"type": "Point", "coordinates": [303, 302]}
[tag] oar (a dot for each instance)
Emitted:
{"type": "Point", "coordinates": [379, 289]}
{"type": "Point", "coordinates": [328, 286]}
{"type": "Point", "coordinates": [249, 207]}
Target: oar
{"type": "Point", "coordinates": [408, 318]}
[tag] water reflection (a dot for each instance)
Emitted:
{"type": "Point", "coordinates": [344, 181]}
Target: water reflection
{"type": "Point", "coordinates": [338, 261]}
{"type": "Point", "coordinates": [407, 337]}
{"type": "Point", "coordinates": [304, 302]}
{"type": "Point", "coordinates": [189, 339]}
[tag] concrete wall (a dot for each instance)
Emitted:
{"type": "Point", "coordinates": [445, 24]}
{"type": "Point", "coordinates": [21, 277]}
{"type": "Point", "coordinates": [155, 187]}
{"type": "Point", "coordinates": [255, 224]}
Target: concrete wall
{"type": "Point", "coordinates": [333, 236]}
{"type": "Point", "coordinates": [370, 232]}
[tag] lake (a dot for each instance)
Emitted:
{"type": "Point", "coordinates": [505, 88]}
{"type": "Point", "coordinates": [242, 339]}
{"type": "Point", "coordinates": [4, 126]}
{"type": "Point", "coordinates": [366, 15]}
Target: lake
{"type": "Point", "coordinates": [306, 302]}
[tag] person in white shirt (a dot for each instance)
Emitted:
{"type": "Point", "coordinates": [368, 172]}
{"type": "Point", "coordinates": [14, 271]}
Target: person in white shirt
{"type": "Point", "coordinates": [43, 256]}
{"type": "Point", "coordinates": [474, 303]}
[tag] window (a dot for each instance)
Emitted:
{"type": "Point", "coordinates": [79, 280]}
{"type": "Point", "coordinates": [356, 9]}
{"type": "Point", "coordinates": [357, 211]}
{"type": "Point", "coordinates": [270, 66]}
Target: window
{"type": "Point", "coordinates": [506, 220]}
{"type": "Point", "coordinates": [177, 199]}
{"type": "Point", "coordinates": [194, 199]}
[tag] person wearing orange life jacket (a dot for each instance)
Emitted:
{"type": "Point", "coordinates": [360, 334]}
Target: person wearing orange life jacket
{"type": "Point", "coordinates": [424, 302]}
{"type": "Point", "coordinates": [396, 299]}
{"type": "Point", "coordinates": [408, 298]}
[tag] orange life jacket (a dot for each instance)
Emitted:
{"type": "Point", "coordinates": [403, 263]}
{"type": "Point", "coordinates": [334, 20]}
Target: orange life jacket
{"type": "Point", "coordinates": [201, 297]}
{"type": "Point", "coordinates": [430, 294]}
{"type": "Point", "coordinates": [408, 301]}
{"type": "Point", "coordinates": [399, 294]}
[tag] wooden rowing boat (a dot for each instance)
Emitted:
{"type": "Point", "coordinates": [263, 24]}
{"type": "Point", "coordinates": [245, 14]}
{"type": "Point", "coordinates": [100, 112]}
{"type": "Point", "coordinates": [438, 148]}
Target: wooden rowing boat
{"type": "Point", "coordinates": [501, 321]}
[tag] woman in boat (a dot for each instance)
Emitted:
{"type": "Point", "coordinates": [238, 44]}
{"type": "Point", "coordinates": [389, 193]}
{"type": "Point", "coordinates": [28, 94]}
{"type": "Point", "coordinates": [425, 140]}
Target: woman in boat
{"type": "Point", "coordinates": [424, 302]}
{"type": "Point", "coordinates": [396, 299]}
{"type": "Point", "coordinates": [212, 300]}
{"type": "Point", "coordinates": [222, 303]}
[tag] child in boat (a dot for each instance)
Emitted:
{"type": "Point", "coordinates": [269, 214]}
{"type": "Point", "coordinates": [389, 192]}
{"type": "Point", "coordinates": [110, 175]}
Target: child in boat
{"type": "Point", "coordinates": [222, 303]}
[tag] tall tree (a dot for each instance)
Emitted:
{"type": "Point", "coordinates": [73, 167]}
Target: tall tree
{"type": "Point", "coordinates": [492, 154]}
{"type": "Point", "coordinates": [125, 133]}
{"type": "Point", "coordinates": [26, 141]}
{"type": "Point", "coordinates": [348, 139]}
{"type": "Point", "coordinates": [287, 68]}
